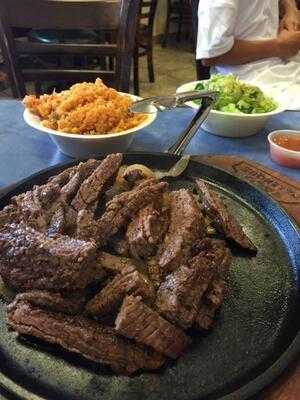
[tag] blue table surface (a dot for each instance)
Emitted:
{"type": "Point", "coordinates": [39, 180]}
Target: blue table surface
{"type": "Point", "coordinates": [24, 151]}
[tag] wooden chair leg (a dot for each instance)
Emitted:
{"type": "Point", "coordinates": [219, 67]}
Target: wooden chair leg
{"type": "Point", "coordinates": [180, 22]}
{"type": "Point", "coordinates": [150, 64]}
{"type": "Point", "coordinates": [167, 27]}
{"type": "Point", "coordinates": [136, 83]}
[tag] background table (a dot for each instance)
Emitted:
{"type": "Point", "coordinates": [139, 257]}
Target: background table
{"type": "Point", "coordinates": [24, 151]}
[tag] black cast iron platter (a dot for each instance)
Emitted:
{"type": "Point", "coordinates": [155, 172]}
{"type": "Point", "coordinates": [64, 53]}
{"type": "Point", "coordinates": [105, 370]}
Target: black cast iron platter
{"type": "Point", "coordinates": [255, 338]}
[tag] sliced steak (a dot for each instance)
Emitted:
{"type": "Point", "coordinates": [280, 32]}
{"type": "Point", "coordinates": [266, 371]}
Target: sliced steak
{"type": "Point", "coordinates": [181, 295]}
{"type": "Point", "coordinates": [222, 219]}
{"type": "Point", "coordinates": [69, 190]}
{"type": "Point", "coordinates": [115, 264]}
{"type": "Point", "coordinates": [155, 272]}
{"type": "Point", "coordinates": [64, 177]}
{"type": "Point", "coordinates": [41, 208]}
{"type": "Point", "coordinates": [186, 226]}
{"type": "Point", "coordinates": [46, 195]}
{"type": "Point", "coordinates": [123, 208]}
{"type": "Point", "coordinates": [146, 231]}
{"type": "Point", "coordinates": [33, 206]}
{"type": "Point", "coordinates": [138, 321]}
{"type": "Point", "coordinates": [214, 296]}
{"type": "Point", "coordinates": [81, 335]}
{"type": "Point", "coordinates": [86, 226]}
{"type": "Point", "coordinates": [9, 214]}
{"type": "Point", "coordinates": [216, 251]}
{"type": "Point", "coordinates": [53, 301]}
{"type": "Point", "coordinates": [32, 260]}
{"type": "Point", "coordinates": [212, 301]}
{"type": "Point", "coordinates": [58, 221]}
{"type": "Point", "coordinates": [111, 297]}
{"type": "Point", "coordinates": [82, 172]}
{"type": "Point", "coordinates": [97, 183]}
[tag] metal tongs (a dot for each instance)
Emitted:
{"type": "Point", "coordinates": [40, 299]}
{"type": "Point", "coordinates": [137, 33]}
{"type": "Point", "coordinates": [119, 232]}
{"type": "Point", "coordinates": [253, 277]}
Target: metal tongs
{"type": "Point", "coordinates": [152, 105]}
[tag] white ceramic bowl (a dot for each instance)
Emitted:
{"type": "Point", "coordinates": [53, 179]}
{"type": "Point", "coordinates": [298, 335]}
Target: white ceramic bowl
{"type": "Point", "coordinates": [85, 146]}
{"type": "Point", "coordinates": [228, 124]}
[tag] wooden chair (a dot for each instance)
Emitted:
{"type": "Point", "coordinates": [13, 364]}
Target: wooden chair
{"type": "Point", "coordinates": [202, 71]}
{"type": "Point", "coordinates": [179, 13]}
{"type": "Point", "coordinates": [144, 41]}
{"type": "Point", "coordinates": [68, 14]}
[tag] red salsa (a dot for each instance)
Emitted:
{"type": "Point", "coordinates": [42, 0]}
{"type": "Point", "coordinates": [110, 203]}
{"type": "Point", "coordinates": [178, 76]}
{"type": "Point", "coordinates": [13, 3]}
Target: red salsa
{"type": "Point", "coordinates": [288, 141]}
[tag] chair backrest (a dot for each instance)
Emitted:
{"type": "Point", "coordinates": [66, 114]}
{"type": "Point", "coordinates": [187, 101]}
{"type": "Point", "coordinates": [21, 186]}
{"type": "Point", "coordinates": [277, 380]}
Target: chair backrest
{"type": "Point", "coordinates": [147, 14]}
{"type": "Point", "coordinates": [202, 71]}
{"type": "Point", "coordinates": [120, 16]}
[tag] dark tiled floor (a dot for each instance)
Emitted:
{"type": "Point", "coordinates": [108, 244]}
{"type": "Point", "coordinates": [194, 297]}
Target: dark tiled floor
{"type": "Point", "coordinates": [173, 66]}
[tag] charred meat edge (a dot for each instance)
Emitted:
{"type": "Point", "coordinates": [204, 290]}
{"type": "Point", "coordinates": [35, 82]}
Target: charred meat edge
{"type": "Point", "coordinates": [81, 335]}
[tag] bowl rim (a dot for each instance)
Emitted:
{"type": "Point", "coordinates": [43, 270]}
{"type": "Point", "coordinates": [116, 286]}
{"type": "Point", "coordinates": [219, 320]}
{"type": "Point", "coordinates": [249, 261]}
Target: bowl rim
{"type": "Point", "coordinates": [277, 110]}
{"type": "Point", "coordinates": [35, 122]}
{"type": "Point", "coordinates": [290, 132]}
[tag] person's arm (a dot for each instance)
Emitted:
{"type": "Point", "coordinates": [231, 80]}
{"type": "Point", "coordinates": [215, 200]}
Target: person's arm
{"type": "Point", "coordinates": [287, 6]}
{"type": "Point", "coordinates": [290, 15]}
{"type": "Point", "coordinates": [286, 45]}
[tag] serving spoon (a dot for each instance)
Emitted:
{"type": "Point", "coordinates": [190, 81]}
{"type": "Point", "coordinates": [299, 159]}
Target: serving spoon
{"type": "Point", "coordinates": [155, 104]}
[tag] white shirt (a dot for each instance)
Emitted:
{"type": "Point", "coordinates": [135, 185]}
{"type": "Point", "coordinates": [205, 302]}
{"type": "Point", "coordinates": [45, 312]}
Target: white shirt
{"type": "Point", "coordinates": [220, 22]}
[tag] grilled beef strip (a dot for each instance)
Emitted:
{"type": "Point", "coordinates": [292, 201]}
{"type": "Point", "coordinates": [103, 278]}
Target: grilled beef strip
{"type": "Point", "coordinates": [212, 301]}
{"type": "Point", "coordinates": [81, 335]}
{"type": "Point", "coordinates": [97, 183]}
{"type": "Point", "coordinates": [186, 226]}
{"type": "Point", "coordinates": [82, 172]}
{"type": "Point", "coordinates": [112, 295]}
{"type": "Point", "coordinates": [9, 214]}
{"type": "Point", "coordinates": [52, 301]}
{"type": "Point", "coordinates": [115, 264]}
{"type": "Point", "coordinates": [84, 190]}
{"type": "Point", "coordinates": [207, 311]}
{"type": "Point", "coordinates": [86, 226]}
{"type": "Point", "coordinates": [69, 190]}
{"type": "Point", "coordinates": [120, 211]}
{"type": "Point", "coordinates": [138, 321]}
{"type": "Point", "coordinates": [154, 272]}
{"type": "Point", "coordinates": [180, 296]}
{"type": "Point", "coordinates": [35, 206]}
{"type": "Point", "coordinates": [222, 219]}
{"type": "Point", "coordinates": [205, 317]}
{"type": "Point", "coordinates": [146, 231]}
{"type": "Point", "coordinates": [41, 208]}
{"type": "Point", "coordinates": [64, 177]}
{"type": "Point", "coordinates": [215, 251]}
{"type": "Point", "coordinates": [31, 260]}
{"type": "Point", "coordinates": [58, 221]}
